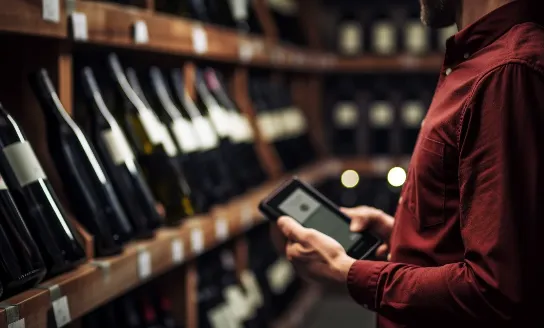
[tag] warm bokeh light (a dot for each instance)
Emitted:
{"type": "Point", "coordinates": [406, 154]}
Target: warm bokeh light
{"type": "Point", "coordinates": [396, 176]}
{"type": "Point", "coordinates": [349, 178]}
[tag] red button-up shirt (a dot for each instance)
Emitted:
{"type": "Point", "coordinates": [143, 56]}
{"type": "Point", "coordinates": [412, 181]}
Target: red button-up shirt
{"type": "Point", "coordinates": [464, 246]}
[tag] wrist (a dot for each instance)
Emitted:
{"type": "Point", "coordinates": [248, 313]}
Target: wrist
{"type": "Point", "coordinates": [343, 265]}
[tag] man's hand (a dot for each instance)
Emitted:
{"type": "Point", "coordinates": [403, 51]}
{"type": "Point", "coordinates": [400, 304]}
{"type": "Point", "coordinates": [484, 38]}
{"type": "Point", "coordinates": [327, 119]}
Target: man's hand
{"type": "Point", "coordinates": [316, 256]}
{"type": "Point", "coordinates": [374, 220]}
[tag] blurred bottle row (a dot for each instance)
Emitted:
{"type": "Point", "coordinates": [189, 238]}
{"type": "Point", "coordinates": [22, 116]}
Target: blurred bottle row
{"type": "Point", "coordinates": [376, 115]}
{"type": "Point", "coordinates": [141, 150]}
{"type": "Point", "coordinates": [260, 294]}
{"type": "Point", "coordinates": [385, 29]}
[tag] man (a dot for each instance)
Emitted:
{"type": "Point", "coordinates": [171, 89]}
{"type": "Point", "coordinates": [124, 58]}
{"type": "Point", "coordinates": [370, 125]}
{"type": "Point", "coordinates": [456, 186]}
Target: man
{"type": "Point", "coordinates": [463, 243]}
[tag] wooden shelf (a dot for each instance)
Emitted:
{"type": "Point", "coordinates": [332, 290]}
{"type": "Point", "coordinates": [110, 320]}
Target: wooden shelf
{"type": "Point", "coordinates": [112, 25]}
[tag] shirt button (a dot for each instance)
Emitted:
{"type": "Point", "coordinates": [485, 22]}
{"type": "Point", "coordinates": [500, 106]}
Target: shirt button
{"type": "Point", "coordinates": [389, 257]}
{"type": "Point", "coordinates": [448, 71]}
{"type": "Point", "coordinates": [466, 55]}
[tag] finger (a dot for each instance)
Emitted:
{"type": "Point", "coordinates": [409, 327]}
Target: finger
{"type": "Point", "coordinates": [294, 251]}
{"type": "Point", "coordinates": [382, 250]}
{"type": "Point", "coordinates": [291, 229]}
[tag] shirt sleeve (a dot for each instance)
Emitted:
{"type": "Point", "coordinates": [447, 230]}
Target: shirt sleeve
{"type": "Point", "coordinates": [501, 148]}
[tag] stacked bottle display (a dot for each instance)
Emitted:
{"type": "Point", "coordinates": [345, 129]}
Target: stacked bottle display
{"type": "Point", "coordinates": [376, 115]}
{"type": "Point", "coordinates": [384, 29]}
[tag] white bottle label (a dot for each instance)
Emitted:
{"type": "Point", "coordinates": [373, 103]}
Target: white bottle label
{"type": "Point", "coordinates": [185, 135]}
{"type": "Point", "coordinates": [217, 317]}
{"type": "Point", "coordinates": [245, 126]}
{"type": "Point", "coordinates": [416, 37]}
{"type": "Point", "coordinates": [412, 113]}
{"type": "Point", "coordinates": [239, 132]}
{"type": "Point", "coordinates": [117, 145]}
{"type": "Point", "coordinates": [346, 115]}
{"type": "Point", "coordinates": [381, 114]}
{"type": "Point", "coordinates": [444, 34]}
{"type": "Point", "coordinates": [239, 9]}
{"type": "Point", "coordinates": [221, 120]}
{"type": "Point", "coordinates": [267, 127]}
{"type": "Point", "coordinates": [280, 131]}
{"type": "Point", "coordinates": [234, 295]}
{"type": "Point", "coordinates": [24, 163]}
{"type": "Point", "coordinates": [280, 275]}
{"type": "Point", "coordinates": [206, 134]}
{"type": "Point", "coordinates": [254, 294]}
{"type": "Point", "coordinates": [151, 126]}
{"type": "Point", "coordinates": [384, 38]}
{"type": "Point", "coordinates": [3, 185]}
{"type": "Point", "coordinates": [169, 146]}
{"type": "Point", "coordinates": [351, 36]}
{"type": "Point", "coordinates": [294, 122]}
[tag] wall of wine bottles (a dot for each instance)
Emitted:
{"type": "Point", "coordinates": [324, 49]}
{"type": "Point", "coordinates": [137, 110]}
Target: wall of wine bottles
{"type": "Point", "coordinates": [137, 138]}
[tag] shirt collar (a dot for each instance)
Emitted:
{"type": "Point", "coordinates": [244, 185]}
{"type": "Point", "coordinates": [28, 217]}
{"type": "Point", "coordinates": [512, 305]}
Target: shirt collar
{"type": "Point", "coordinates": [492, 26]}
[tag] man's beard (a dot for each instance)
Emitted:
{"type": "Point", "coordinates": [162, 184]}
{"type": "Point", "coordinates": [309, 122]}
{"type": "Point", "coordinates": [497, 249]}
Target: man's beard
{"type": "Point", "coordinates": [438, 13]}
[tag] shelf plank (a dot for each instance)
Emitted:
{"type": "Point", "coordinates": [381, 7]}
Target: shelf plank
{"type": "Point", "coordinates": [397, 64]}
{"type": "Point", "coordinates": [25, 17]}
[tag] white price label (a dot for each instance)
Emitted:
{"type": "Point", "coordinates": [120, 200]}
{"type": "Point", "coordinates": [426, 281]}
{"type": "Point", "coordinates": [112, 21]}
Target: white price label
{"type": "Point", "coordinates": [51, 10]}
{"type": "Point", "coordinates": [221, 229]}
{"type": "Point", "coordinates": [61, 311]}
{"type": "Point", "coordinates": [141, 35]}
{"type": "Point", "coordinates": [200, 39]}
{"type": "Point", "coordinates": [178, 251]}
{"type": "Point", "coordinates": [79, 26]}
{"type": "Point", "coordinates": [17, 324]}
{"type": "Point", "coordinates": [245, 51]}
{"type": "Point", "coordinates": [144, 264]}
{"type": "Point", "coordinates": [197, 240]}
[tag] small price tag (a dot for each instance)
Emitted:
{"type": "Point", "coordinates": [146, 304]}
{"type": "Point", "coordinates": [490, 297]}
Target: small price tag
{"type": "Point", "coordinates": [79, 26]}
{"type": "Point", "coordinates": [197, 241]}
{"type": "Point", "coordinates": [245, 51]}
{"type": "Point", "coordinates": [17, 324]}
{"type": "Point", "coordinates": [221, 229]}
{"type": "Point", "coordinates": [144, 264]}
{"type": "Point", "coordinates": [51, 10]}
{"type": "Point", "coordinates": [200, 39]}
{"type": "Point", "coordinates": [246, 216]}
{"type": "Point", "coordinates": [61, 311]}
{"type": "Point", "coordinates": [141, 35]}
{"type": "Point", "coordinates": [178, 251]}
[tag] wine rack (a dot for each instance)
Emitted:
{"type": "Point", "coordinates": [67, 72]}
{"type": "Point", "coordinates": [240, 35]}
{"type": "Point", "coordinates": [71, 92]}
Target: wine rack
{"type": "Point", "coordinates": [78, 25]}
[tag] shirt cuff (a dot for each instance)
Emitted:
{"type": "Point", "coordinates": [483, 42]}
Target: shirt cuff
{"type": "Point", "coordinates": [363, 282]}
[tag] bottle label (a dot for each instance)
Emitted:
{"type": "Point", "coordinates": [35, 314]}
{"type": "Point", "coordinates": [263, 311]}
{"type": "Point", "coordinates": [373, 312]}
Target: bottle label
{"type": "Point", "coordinates": [444, 34]}
{"type": "Point", "coordinates": [237, 302]}
{"type": "Point", "coordinates": [222, 317]}
{"type": "Point", "coordinates": [239, 9]}
{"type": "Point", "coordinates": [384, 38]}
{"type": "Point", "coordinates": [221, 120]}
{"type": "Point", "coordinates": [151, 126]}
{"type": "Point", "coordinates": [117, 145]}
{"type": "Point", "coordinates": [280, 275]}
{"type": "Point", "coordinates": [412, 113]}
{"type": "Point", "coordinates": [351, 36]}
{"type": "Point", "coordinates": [279, 131]}
{"type": "Point", "coordinates": [185, 135]}
{"type": "Point", "coordinates": [267, 126]}
{"type": "Point", "coordinates": [381, 114]}
{"type": "Point", "coordinates": [241, 129]}
{"type": "Point", "coordinates": [346, 115]}
{"type": "Point", "coordinates": [251, 285]}
{"type": "Point", "coordinates": [206, 134]}
{"type": "Point", "coordinates": [416, 37]}
{"type": "Point", "coordinates": [169, 146]}
{"type": "Point", "coordinates": [295, 121]}
{"type": "Point", "coordinates": [24, 163]}
{"type": "Point", "coordinates": [3, 185]}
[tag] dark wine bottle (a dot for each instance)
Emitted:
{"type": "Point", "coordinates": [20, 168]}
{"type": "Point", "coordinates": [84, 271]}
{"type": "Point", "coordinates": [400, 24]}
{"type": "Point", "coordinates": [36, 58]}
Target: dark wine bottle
{"type": "Point", "coordinates": [83, 176]}
{"type": "Point", "coordinates": [242, 136]}
{"type": "Point", "coordinates": [210, 158]}
{"type": "Point", "coordinates": [381, 118]}
{"type": "Point", "coordinates": [155, 148]}
{"type": "Point", "coordinates": [384, 32]}
{"type": "Point", "coordinates": [163, 308]}
{"type": "Point", "coordinates": [234, 171]}
{"type": "Point", "coordinates": [285, 14]}
{"type": "Point", "coordinates": [345, 118]}
{"type": "Point", "coordinates": [173, 192]}
{"type": "Point", "coordinates": [149, 314]}
{"type": "Point", "coordinates": [21, 266]}
{"type": "Point", "coordinates": [182, 131]}
{"type": "Point", "coordinates": [128, 313]}
{"type": "Point", "coordinates": [412, 111]}
{"type": "Point", "coordinates": [198, 10]}
{"type": "Point", "coordinates": [57, 240]}
{"type": "Point", "coordinates": [416, 37]}
{"type": "Point", "coordinates": [119, 161]}
{"type": "Point", "coordinates": [350, 35]}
